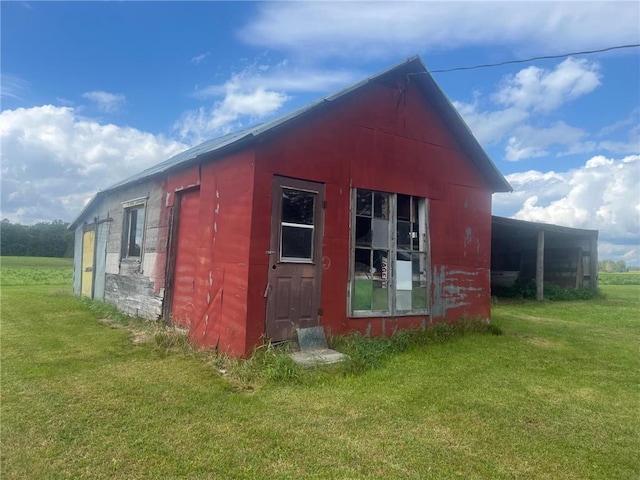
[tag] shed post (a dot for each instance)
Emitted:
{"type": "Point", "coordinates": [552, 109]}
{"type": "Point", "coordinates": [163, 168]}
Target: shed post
{"type": "Point", "coordinates": [540, 267]}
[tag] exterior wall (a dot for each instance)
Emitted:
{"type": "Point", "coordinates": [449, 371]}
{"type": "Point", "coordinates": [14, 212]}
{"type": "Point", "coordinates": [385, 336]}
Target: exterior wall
{"type": "Point", "coordinates": [132, 285]}
{"type": "Point", "coordinates": [222, 266]}
{"type": "Point", "coordinates": [98, 219]}
{"type": "Point", "coordinates": [383, 138]}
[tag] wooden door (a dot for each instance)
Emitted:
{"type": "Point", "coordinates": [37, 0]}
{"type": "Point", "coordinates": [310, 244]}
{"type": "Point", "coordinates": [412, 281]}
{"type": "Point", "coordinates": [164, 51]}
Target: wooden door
{"type": "Point", "coordinates": [88, 256]}
{"type": "Point", "coordinates": [183, 309]}
{"type": "Point", "coordinates": [295, 257]}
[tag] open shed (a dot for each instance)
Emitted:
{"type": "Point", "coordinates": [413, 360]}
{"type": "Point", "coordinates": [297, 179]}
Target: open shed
{"type": "Point", "coordinates": [368, 210]}
{"type": "Point", "coordinates": [524, 251]}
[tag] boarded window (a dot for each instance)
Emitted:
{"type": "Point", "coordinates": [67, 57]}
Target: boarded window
{"type": "Point", "coordinates": [389, 254]}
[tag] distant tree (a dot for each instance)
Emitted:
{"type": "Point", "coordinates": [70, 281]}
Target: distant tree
{"type": "Point", "coordinates": [621, 266]}
{"type": "Point", "coordinates": [44, 239]}
{"type": "Point", "coordinates": [611, 266]}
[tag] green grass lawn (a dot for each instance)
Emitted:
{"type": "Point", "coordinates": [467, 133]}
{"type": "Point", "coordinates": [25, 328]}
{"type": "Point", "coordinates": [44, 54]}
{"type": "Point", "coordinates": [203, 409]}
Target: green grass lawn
{"type": "Point", "coordinates": [555, 396]}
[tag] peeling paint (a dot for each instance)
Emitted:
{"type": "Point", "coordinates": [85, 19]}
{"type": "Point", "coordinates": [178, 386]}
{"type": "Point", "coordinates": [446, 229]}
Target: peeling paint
{"type": "Point", "coordinates": [454, 289]}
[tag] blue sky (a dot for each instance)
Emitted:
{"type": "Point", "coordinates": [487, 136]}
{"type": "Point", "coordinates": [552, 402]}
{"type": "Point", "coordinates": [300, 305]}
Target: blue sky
{"type": "Point", "coordinates": [94, 92]}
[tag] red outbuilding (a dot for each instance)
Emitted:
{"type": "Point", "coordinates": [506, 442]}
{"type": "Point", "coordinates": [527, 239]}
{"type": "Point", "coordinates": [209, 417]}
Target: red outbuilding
{"type": "Point", "coordinates": [368, 210]}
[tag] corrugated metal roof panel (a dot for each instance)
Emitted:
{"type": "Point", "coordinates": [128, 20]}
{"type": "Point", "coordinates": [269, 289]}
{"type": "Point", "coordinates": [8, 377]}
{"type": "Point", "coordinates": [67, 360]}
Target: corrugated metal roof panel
{"type": "Point", "coordinates": [412, 65]}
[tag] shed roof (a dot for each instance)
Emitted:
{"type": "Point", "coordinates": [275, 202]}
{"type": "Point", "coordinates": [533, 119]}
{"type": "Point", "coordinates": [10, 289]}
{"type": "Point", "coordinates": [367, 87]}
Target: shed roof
{"type": "Point", "coordinates": [412, 67]}
{"type": "Point", "coordinates": [526, 227]}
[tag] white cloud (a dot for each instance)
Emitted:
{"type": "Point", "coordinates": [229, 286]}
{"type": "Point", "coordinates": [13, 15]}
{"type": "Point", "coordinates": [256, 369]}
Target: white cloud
{"type": "Point", "coordinates": [603, 194]}
{"type": "Point", "coordinates": [530, 142]}
{"type": "Point", "coordinates": [255, 92]}
{"type": "Point", "coordinates": [538, 89]}
{"type": "Point", "coordinates": [490, 127]}
{"type": "Point", "coordinates": [200, 58]}
{"type": "Point", "coordinates": [530, 94]}
{"type": "Point", "coordinates": [375, 29]}
{"type": "Point", "coordinates": [105, 101]}
{"type": "Point", "coordinates": [12, 86]}
{"type": "Point", "coordinates": [53, 160]}
{"type": "Point", "coordinates": [281, 78]}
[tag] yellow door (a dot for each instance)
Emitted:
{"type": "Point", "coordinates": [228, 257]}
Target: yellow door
{"type": "Point", "coordinates": [88, 245]}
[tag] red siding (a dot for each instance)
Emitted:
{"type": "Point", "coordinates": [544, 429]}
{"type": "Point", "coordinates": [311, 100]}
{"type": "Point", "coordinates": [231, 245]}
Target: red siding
{"type": "Point", "coordinates": [383, 137]}
{"type": "Point", "coordinates": [375, 141]}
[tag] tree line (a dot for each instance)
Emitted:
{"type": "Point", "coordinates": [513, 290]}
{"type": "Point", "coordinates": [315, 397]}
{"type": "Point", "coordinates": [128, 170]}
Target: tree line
{"type": "Point", "coordinates": [44, 239]}
{"type": "Point", "coordinates": [610, 266]}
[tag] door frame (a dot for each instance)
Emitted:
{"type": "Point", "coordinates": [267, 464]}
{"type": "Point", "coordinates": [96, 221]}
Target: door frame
{"type": "Point", "coordinates": [278, 184]}
{"type": "Point", "coordinates": [172, 253]}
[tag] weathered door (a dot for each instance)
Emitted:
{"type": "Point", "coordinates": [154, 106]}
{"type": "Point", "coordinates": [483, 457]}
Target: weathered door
{"type": "Point", "coordinates": [184, 282]}
{"type": "Point", "coordinates": [88, 255]}
{"type": "Point", "coordinates": [295, 257]}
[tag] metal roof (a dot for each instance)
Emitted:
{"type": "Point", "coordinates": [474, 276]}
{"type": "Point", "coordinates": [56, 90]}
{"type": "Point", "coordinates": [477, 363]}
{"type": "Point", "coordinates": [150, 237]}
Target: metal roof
{"type": "Point", "coordinates": [412, 67]}
{"type": "Point", "coordinates": [534, 227]}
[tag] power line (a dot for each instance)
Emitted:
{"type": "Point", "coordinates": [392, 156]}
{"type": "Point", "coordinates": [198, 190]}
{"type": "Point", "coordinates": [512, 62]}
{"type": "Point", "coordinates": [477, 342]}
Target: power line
{"type": "Point", "coordinates": [545, 57]}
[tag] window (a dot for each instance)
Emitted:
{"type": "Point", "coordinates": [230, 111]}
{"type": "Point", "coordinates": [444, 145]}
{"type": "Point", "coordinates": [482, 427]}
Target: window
{"type": "Point", "coordinates": [389, 254]}
{"type": "Point", "coordinates": [296, 226]}
{"type": "Point", "coordinates": [133, 230]}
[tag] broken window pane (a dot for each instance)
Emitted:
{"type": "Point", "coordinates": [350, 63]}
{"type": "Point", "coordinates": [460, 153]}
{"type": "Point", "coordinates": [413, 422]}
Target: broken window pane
{"type": "Point", "coordinates": [363, 202]}
{"type": "Point", "coordinates": [297, 206]}
{"type": "Point", "coordinates": [363, 231]}
{"type": "Point", "coordinates": [363, 263]}
{"type": "Point", "coordinates": [404, 207]}
{"type": "Point", "coordinates": [380, 268]}
{"type": "Point", "coordinates": [381, 205]}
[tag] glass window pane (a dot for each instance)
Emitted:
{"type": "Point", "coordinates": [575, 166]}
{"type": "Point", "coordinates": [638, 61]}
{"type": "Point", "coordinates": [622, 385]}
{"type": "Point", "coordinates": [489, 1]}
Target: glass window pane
{"type": "Point", "coordinates": [403, 300]}
{"type": "Point", "coordinates": [363, 202]}
{"type": "Point", "coordinates": [362, 294]}
{"type": "Point", "coordinates": [380, 233]}
{"type": "Point", "coordinates": [419, 296]}
{"type": "Point", "coordinates": [297, 242]}
{"type": "Point", "coordinates": [380, 297]}
{"type": "Point", "coordinates": [363, 231]}
{"type": "Point", "coordinates": [403, 237]}
{"type": "Point", "coordinates": [381, 205]}
{"type": "Point", "coordinates": [297, 206]}
{"type": "Point", "coordinates": [403, 274]}
{"type": "Point", "coordinates": [135, 228]}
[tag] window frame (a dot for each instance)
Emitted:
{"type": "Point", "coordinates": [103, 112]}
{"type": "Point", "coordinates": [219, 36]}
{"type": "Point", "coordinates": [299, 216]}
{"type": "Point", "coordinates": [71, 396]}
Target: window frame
{"type": "Point", "coordinates": [136, 204]}
{"type": "Point", "coordinates": [311, 226]}
{"type": "Point", "coordinates": [424, 248]}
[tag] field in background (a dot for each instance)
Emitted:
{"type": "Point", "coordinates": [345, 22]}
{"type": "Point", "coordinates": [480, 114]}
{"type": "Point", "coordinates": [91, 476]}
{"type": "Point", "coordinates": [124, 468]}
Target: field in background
{"type": "Point", "coordinates": [555, 396]}
{"type": "Point", "coordinates": [614, 278]}
{"type": "Point", "coordinates": [36, 271]}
